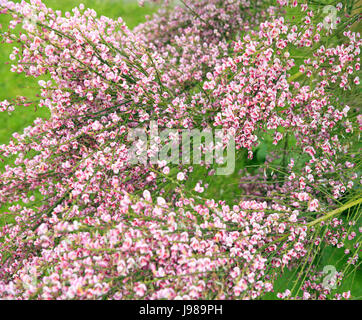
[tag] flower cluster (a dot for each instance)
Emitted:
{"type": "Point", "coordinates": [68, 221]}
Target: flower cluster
{"type": "Point", "coordinates": [84, 222]}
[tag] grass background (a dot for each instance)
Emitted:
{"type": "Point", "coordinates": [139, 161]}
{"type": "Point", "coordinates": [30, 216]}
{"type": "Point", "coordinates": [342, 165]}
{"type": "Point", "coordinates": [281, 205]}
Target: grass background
{"type": "Point", "coordinates": [12, 85]}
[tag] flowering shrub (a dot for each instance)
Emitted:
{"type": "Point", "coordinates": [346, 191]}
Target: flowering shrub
{"type": "Point", "coordinates": [88, 223]}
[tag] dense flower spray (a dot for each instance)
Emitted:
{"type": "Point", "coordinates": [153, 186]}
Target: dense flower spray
{"type": "Point", "coordinates": [90, 224]}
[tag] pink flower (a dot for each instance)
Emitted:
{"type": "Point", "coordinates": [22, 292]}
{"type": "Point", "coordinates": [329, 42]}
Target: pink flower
{"type": "Point", "coordinates": [140, 289]}
{"type": "Point", "coordinates": [198, 188]}
{"type": "Point", "coordinates": [313, 205]}
{"type": "Point", "coordinates": [42, 229]}
{"type": "Point", "coordinates": [180, 176]}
